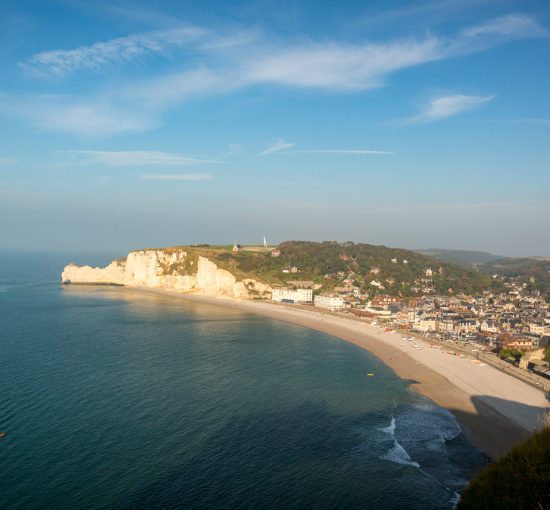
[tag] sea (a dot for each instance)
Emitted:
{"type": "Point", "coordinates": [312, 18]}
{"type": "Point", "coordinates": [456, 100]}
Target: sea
{"type": "Point", "coordinates": [113, 398]}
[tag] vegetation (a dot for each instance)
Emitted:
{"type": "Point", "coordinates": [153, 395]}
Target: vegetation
{"type": "Point", "coordinates": [546, 356]}
{"type": "Point", "coordinates": [511, 353]}
{"type": "Point", "coordinates": [535, 272]}
{"type": "Point", "coordinates": [461, 257]}
{"type": "Point", "coordinates": [331, 264]}
{"type": "Point", "coordinates": [520, 480]}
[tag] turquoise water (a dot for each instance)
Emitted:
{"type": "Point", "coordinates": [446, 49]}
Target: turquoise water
{"type": "Point", "coordinates": [113, 398]}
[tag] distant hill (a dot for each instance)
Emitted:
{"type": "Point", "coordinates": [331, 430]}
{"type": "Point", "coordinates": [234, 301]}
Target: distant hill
{"type": "Point", "coordinates": [461, 257]}
{"type": "Point", "coordinates": [535, 272]}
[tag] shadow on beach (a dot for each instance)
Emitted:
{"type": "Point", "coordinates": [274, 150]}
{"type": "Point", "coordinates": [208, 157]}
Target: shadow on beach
{"type": "Point", "coordinates": [496, 433]}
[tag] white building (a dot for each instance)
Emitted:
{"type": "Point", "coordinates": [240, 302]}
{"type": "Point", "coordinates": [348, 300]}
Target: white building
{"type": "Point", "coordinates": [294, 296]}
{"type": "Point", "coordinates": [427, 324]}
{"type": "Point", "coordinates": [330, 302]}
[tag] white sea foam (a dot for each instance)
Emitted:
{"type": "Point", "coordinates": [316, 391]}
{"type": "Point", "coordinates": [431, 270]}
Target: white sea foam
{"type": "Point", "coordinates": [455, 500]}
{"type": "Point", "coordinates": [390, 429]}
{"type": "Point", "coordinates": [399, 455]}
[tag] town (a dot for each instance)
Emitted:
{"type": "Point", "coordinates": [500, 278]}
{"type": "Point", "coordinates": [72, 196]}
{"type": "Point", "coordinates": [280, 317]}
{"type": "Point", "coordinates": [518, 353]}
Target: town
{"type": "Point", "coordinates": [514, 323]}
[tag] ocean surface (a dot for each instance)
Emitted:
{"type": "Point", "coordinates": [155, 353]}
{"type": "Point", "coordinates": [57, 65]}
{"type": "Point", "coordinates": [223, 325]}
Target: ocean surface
{"type": "Point", "coordinates": [114, 398]}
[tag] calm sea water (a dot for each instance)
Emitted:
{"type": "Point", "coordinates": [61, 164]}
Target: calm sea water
{"type": "Point", "coordinates": [117, 399]}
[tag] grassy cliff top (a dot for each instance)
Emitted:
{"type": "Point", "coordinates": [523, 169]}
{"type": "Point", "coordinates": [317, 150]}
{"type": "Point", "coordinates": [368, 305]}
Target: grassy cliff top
{"type": "Point", "coordinates": [332, 264]}
{"type": "Point", "coordinates": [520, 480]}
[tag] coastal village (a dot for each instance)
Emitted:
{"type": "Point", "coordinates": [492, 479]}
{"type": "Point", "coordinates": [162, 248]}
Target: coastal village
{"type": "Point", "coordinates": [514, 323]}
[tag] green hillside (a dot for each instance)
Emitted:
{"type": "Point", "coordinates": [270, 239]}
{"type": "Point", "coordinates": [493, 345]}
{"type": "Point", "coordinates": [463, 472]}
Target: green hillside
{"type": "Point", "coordinates": [520, 480]}
{"type": "Point", "coordinates": [461, 257]}
{"type": "Point", "coordinates": [534, 272]}
{"type": "Point", "coordinates": [332, 264]}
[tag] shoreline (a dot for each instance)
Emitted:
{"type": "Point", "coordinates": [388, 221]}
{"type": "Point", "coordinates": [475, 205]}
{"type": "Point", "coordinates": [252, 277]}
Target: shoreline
{"type": "Point", "coordinates": [495, 410]}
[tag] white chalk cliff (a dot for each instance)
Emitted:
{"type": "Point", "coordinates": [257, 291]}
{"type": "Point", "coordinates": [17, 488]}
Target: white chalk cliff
{"type": "Point", "coordinates": [170, 269]}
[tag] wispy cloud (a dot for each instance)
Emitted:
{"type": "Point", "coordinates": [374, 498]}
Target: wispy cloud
{"type": "Point", "coordinates": [278, 146]}
{"type": "Point", "coordinates": [335, 66]}
{"type": "Point", "coordinates": [136, 158]}
{"type": "Point", "coordinates": [494, 32]}
{"type": "Point", "coordinates": [347, 151]}
{"type": "Point", "coordinates": [94, 117]}
{"type": "Point", "coordinates": [448, 106]}
{"type": "Point", "coordinates": [510, 26]}
{"type": "Point", "coordinates": [105, 55]}
{"type": "Point", "coordinates": [223, 63]}
{"type": "Point", "coordinates": [432, 10]}
{"type": "Point", "coordinates": [177, 177]}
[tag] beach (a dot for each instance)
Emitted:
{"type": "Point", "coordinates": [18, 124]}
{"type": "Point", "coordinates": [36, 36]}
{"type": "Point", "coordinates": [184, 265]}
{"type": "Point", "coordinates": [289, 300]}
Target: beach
{"type": "Point", "coordinates": [496, 411]}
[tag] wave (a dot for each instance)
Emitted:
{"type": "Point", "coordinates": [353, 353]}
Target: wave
{"type": "Point", "coordinates": [431, 423]}
{"type": "Point", "coordinates": [390, 429]}
{"type": "Point", "coordinates": [455, 500]}
{"type": "Point", "coordinates": [399, 455]}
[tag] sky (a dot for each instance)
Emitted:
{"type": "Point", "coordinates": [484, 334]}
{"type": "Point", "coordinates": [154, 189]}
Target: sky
{"type": "Point", "coordinates": [132, 124]}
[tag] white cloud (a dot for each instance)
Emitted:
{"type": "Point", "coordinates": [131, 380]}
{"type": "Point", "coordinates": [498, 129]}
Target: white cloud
{"type": "Point", "coordinates": [332, 66]}
{"type": "Point", "coordinates": [278, 146]}
{"type": "Point", "coordinates": [104, 55]}
{"type": "Point", "coordinates": [341, 66]}
{"type": "Point", "coordinates": [511, 26]}
{"type": "Point", "coordinates": [224, 63]}
{"type": "Point", "coordinates": [137, 158]}
{"type": "Point", "coordinates": [447, 106]}
{"type": "Point", "coordinates": [177, 177]}
{"type": "Point", "coordinates": [347, 151]}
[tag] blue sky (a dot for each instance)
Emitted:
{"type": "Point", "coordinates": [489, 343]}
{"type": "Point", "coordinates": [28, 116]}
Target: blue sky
{"type": "Point", "coordinates": [133, 124]}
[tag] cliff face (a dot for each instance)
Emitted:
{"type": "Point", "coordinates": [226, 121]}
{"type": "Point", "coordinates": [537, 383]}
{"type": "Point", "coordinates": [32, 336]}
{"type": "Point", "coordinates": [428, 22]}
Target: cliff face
{"type": "Point", "coordinates": [173, 269]}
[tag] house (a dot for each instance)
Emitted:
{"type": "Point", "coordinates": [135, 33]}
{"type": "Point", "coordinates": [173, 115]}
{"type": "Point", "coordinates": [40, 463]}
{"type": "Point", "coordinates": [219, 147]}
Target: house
{"type": "Point", "coordinates": [536, 328]}
{"type": "Point", "coordinates": [427, 324]}
{"type": "Point", "coordinates": [236, 248]}
{"type": "Point", "coordinates": [276, 252]}
{"type": "Point", "coordinates": [297, 296]}
{"type": "Point", "coordinates": [540, 342]}
{"type": "Point", "coordinates": [383, 301]}
{"type": "Point", "coordinates": [330, 302]}
{"type": "Point", "coordinates": [508, 341]}
{"type": "Point", "coordinates": [488, 326]}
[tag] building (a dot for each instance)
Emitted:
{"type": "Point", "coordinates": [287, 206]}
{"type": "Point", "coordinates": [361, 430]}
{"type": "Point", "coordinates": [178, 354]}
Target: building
{"type": "Point", "coordinates": [297, 296]}
{"type": "Point", "coordinates": [236, 247]}
{"type": "Point", "coordinates": [330, 302]}
{"type": "Point", "coordinates": [427, 324]}
{"type": "Point", "coordinates": [383, 301]}
{"type": "Point", "coordinates": [508, 341]}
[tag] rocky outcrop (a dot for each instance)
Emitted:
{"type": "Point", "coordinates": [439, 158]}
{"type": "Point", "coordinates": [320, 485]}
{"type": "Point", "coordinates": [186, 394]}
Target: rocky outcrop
{"type": "Point", "coordinates": [171, 269]}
